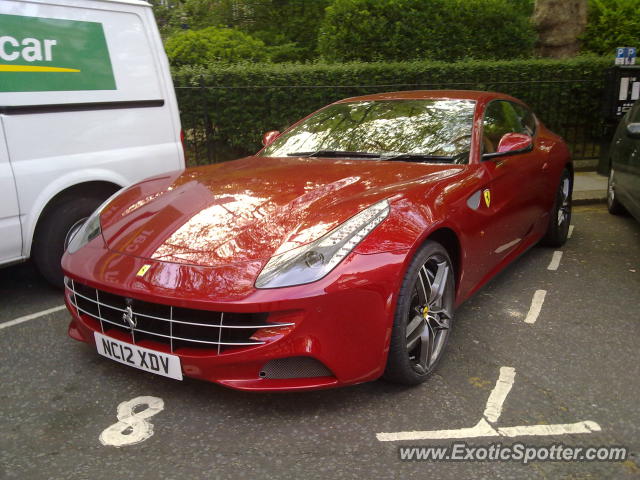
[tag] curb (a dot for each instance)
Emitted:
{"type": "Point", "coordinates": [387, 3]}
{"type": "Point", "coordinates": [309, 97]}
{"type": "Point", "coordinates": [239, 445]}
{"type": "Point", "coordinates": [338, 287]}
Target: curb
{"type": "Point", "coordinates": [589, 201]}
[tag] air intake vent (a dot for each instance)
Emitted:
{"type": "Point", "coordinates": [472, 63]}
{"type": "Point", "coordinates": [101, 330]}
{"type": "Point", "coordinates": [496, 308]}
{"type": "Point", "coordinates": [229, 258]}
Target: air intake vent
{"type": "Point", "coordinates": [294, 367]}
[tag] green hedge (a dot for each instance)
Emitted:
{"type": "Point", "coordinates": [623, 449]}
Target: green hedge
{"type": "Point", "coordinates": [226, 109]}
{"type": "Point", "coordinates": [400, 30]}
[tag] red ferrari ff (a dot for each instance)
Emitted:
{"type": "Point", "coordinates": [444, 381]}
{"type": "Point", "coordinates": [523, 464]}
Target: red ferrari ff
{"type": "Point", "coordinates": [335, 255]}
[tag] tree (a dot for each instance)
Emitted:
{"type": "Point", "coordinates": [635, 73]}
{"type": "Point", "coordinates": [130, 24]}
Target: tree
{"type": "Point", "coordinates": [559, 24]}
{"type": "Point", "coordinates": [612, 23]}
{"type": "Point", "coordinates": [370, 30]}
{"type": "Point", "coordinates": [289, 28]}
{"type": "Point", "coordinates": [208, 45]}
{"type": "Point", "coordinates": [168, 15]}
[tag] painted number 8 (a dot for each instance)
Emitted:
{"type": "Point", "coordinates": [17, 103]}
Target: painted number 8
{"type": "Point", "coordinates": [133, 426]}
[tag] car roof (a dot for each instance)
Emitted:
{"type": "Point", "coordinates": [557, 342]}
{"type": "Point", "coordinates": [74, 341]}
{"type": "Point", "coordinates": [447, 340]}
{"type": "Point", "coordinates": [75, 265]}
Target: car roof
{"type": "Point", "coordinates": [67, 3]}
{"type": "Point", "coordinates": [475, 95]}
{"type": "Point", "coordinates": [143, 3]}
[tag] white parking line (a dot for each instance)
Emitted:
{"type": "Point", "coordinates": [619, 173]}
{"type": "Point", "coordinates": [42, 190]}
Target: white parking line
{"type": "Point", "coordinates": [481, 429]}
{"type": "Point", "coordinates": [570, 231]}
{"type": "Point", "coordinates": [132, 426]}
{"type": "Point", "coordinates": [491, 414]}
{"type": "Point", "coordinates": [558, 429]}
{"type": "Point", "coordinates": [555, 260]}
{"type": "Point", "coordinates": [31, 316]}
{"type": "Point", "coordinates": [484, 429]}
{"type": "Point", "coordinates": [499, 393]}
{"type": "Point", "coordinates": [536, 306]}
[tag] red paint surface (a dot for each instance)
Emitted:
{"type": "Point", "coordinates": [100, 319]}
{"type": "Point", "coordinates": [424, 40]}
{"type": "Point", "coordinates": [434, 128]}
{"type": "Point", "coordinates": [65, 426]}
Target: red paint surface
{"type": "Point", "coordinates": [511, 142]}
{"type": "Point", "coordinates": [207, 232]}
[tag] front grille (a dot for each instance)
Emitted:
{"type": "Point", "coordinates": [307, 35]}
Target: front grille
{"type": "Point", "coordinates": [174, 326]}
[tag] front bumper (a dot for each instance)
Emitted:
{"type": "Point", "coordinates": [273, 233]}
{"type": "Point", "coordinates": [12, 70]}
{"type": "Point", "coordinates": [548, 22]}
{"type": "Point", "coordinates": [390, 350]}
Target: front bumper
{"type": "Point", "coordinates": [343, 321]}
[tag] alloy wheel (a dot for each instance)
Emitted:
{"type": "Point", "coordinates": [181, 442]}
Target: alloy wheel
{"type": "Point", "coordinates": [430, 315]}
{"type": "Point", "coordinates": [611, 194]}
{"type": "Point", "coordinates": [565, 208]}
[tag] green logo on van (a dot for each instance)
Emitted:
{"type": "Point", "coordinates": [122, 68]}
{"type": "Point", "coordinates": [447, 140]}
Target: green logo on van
{"type": "Point", "coordinates": [46, 54]}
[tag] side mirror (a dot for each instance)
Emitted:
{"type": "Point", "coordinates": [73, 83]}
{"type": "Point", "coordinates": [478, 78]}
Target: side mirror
{"type": "Point", "coordinates": [514, 142]}
{"type": "Point", "coordinates": [269, 137]}
{"type": "Point", "coordinates": [633, 131]}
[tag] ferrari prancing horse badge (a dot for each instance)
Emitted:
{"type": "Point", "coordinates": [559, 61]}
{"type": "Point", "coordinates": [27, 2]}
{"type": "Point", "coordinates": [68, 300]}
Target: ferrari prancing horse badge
{"type": "Point", "coordinates": [143, 270]}
{"type": "Point", "coordinates": [487, 197]}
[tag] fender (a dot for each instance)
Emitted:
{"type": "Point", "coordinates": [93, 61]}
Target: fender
{"type": "Point", "coordinates": [60, 184]}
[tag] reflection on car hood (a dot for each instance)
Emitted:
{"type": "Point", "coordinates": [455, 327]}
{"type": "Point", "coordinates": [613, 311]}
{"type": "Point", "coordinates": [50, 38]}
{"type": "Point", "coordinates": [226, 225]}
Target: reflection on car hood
{"type": "Point", "coordinates": [252, 208]}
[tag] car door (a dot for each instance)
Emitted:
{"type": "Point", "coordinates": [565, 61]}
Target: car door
{"type": "Point", "coordinates": [633, 180]}
{"type": "Point", "coordinates": [515, 181]}
{"type": "Point", "coordinates": [627, 164]}
{"type": "Point", "coordinates": [10, 231]}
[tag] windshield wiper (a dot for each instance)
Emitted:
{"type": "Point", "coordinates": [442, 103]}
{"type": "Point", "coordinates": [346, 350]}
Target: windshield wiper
{"type": "Point", "coordinates": [334, 153]}
{"type": "Point", "coordinates": [417, 157]}
{"type": "Point", "coordinates": [405, 157]}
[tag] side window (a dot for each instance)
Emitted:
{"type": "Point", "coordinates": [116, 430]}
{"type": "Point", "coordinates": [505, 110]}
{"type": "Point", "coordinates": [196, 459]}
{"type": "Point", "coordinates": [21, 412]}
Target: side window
{"type": "Point", "coordinates": [527, 119]}
{"type": "Point", "coordinates": [500, 117]}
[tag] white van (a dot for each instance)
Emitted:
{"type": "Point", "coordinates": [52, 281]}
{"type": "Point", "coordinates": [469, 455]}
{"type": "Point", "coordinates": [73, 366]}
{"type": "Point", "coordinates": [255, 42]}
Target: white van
{"type": "Point", "coordinates": [87, 107]}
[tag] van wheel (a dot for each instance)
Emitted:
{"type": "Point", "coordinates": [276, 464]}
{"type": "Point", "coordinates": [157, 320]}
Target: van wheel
{"type": "Point", "coordinates": [54, 232]}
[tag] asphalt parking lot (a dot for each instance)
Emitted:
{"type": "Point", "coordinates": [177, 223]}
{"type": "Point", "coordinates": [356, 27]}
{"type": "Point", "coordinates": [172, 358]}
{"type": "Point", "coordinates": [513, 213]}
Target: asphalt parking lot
{"type": "Point", "coordinates": [568, 359]}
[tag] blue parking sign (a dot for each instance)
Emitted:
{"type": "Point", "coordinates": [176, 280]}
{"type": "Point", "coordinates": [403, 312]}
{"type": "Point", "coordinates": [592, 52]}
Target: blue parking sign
{"type": "Point", "coordinates": [621, 55]}
{"type": "Point", "coordinates": [631, 56]}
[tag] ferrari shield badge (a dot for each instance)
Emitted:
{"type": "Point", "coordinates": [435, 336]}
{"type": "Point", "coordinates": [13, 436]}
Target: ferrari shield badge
{"type": "Point", "coordinates": [143, 270]}
{"type": "Point", "coordinates": [487, 197]}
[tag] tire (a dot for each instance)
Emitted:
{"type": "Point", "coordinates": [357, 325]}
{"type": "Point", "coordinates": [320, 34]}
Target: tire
{"type": "Point", "coordinates": [55, 230]}
{"type": "Point", "coordinates": [423, 318]}
{"type": "Point", "coordinates": [613, 205]}
{"type": "Point", "coordinates": [560, 217]}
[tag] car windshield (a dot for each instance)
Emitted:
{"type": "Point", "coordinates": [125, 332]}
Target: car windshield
{"type": "Point", "coordinates": [411, 130]}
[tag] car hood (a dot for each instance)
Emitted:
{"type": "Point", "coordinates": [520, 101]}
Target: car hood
{"type": "Point", "coordinates": [252, 208]}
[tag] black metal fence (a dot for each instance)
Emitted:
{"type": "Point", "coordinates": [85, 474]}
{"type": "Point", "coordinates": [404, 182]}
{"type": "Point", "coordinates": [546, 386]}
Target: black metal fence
{"type": "Point", "coordinates": [571, 108]}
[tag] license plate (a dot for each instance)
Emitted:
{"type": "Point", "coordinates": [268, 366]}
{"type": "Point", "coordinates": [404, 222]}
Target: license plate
{"type": "Point", "coordinates": [139, 357]}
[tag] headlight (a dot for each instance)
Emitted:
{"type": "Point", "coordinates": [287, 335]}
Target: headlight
{"type": "Point", "coordinates": [91, 228]}
{"type": "Point", "coordinates": [311, 262]}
